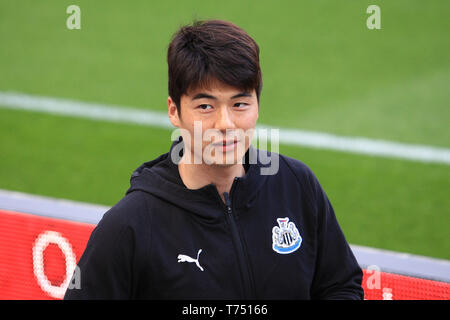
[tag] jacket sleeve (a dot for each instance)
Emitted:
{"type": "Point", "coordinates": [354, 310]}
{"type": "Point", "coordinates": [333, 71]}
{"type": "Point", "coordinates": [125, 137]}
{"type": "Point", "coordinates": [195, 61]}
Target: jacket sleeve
{"type": "Point", "coordinates": [337, 273]}
{"type": "Point", "coordinates": [105, 267]}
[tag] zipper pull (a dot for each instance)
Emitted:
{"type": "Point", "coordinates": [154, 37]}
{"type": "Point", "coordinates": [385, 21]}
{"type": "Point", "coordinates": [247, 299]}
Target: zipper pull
{"type": "Point", "coordinates": [227, 202]}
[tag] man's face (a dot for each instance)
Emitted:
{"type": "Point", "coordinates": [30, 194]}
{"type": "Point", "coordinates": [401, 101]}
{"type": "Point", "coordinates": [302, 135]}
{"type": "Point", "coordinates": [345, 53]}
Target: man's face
{"type": "Point", "coordinates": [217, 123]}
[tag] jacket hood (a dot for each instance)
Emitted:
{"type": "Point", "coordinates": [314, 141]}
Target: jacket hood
{"type": "Point", "coordinates": [160, 177]}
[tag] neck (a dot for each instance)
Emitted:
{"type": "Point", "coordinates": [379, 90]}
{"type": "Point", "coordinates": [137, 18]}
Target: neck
{"type": "Point", "coordinates": [195, 176]}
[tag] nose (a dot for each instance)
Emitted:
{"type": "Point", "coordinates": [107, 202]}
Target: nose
{"type": "Point", "coordinates": [224, 120]}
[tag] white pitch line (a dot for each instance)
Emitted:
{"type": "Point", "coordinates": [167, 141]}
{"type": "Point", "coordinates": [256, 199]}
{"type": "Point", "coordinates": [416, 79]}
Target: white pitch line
{"type": "Point", "coordinates": [287, 136]}
{"type": "Point", "coordinates": [83, 110]}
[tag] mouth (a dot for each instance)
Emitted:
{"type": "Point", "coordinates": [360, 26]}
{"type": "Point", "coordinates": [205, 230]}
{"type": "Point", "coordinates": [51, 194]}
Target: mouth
{"type": "Point", "coordinates": [226, 145]}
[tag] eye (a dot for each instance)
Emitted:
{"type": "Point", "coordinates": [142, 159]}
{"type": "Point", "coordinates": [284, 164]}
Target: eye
{"type": "Point", "coordinates": [205, 107]}
{"type": "Point", "coordinates": [240, 105]}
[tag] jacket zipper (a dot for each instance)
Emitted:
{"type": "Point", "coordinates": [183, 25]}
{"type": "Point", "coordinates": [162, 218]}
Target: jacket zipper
{"type": "Point", "coordinates": [245, 272]}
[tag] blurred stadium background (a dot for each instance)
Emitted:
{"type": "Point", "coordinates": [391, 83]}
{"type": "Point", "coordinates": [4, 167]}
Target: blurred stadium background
{"type": "Point", "coordinates": [323, 70]}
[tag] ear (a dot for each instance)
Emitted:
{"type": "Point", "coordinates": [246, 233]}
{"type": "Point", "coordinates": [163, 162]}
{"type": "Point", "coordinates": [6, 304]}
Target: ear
{"type": "Point", "coordinates": [173, 112]}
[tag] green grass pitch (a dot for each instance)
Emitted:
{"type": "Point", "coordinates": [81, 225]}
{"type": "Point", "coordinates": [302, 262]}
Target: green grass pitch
{"type": "Point", "coordinates": [323, 70]}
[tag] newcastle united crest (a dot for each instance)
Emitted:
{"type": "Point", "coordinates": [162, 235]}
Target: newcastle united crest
{"type": "Point", "coordinates": [285, 237]}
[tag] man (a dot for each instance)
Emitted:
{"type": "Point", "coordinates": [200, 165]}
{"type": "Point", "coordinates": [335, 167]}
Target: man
{"type": "Point", "coordinates": [202, 221]}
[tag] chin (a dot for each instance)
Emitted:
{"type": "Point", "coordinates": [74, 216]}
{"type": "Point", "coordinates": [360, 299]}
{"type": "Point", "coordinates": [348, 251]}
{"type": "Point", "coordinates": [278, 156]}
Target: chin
{"type": "Point", "coordinates": [226, 161]}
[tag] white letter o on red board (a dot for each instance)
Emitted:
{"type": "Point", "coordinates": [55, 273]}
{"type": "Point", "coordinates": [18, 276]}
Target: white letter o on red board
{"type": "Point", "coordinates": [41, 243]}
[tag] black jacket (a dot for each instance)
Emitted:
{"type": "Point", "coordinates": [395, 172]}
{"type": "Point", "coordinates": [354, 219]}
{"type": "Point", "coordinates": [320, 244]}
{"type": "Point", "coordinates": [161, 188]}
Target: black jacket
{"type": "Point", "coordinates": [164, 241]}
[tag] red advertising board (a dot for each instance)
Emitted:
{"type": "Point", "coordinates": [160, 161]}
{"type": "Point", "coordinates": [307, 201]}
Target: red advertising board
{"type": "Point", "coordinates": [38, 256]}
{"type": "Point", "coordinates": [398, 287]}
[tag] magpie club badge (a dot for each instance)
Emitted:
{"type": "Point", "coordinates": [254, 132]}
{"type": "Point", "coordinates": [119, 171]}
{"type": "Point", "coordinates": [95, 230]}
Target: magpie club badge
{"type": "Point", "coordinates": [285, 237]}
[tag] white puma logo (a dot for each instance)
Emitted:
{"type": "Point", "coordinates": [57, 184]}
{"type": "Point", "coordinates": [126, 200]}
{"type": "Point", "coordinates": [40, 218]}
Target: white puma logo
{"type": "Point", "coordinates": [184, 258]}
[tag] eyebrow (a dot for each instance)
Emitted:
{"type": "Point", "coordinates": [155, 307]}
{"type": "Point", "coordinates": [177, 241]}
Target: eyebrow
{"type": "Point", "coordinates": [208, 96]}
